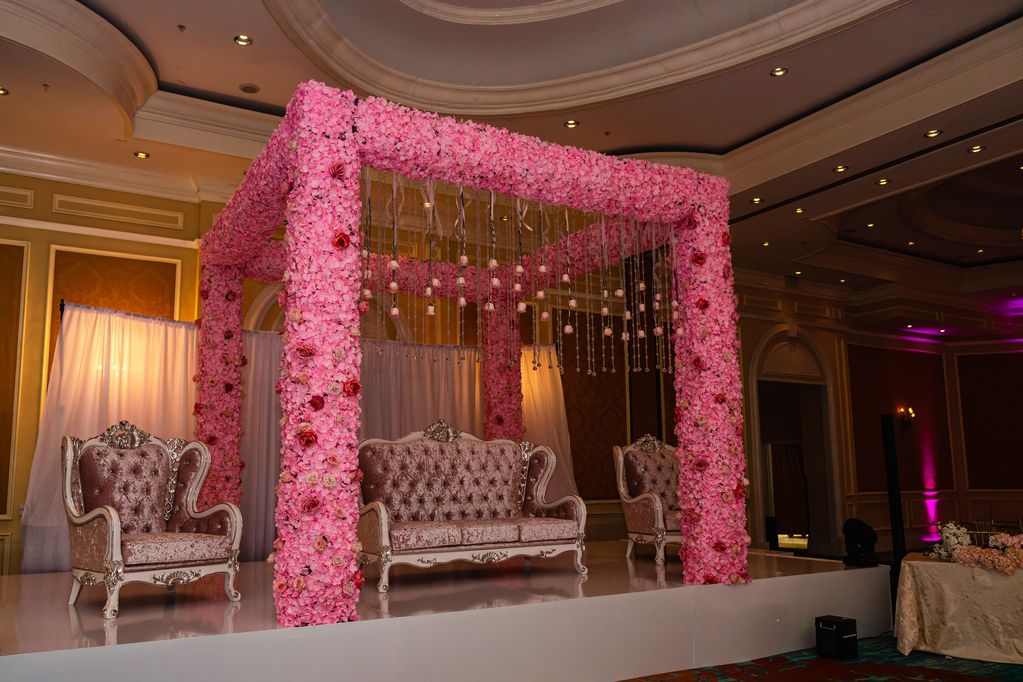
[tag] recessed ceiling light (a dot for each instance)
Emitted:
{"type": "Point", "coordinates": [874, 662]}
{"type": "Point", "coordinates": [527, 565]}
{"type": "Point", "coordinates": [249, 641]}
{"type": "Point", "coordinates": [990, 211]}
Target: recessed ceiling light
{"type": "Point", "coordinates": [249, 88]}
{"type": "Point", "coordinates": [980, 250]}
{"type": "Point", "coordinates": [911, 243]}
{"type": "Point", "coordinates": [141, 155]}
{"type": "Point", "coordinates": [933, 132]}
{"type": "Point", "coordinates": [909, 326]}
{"type": "Point", "coordinates": [504, 218]}
{"type": "Point", "coordinates": [870, 224]}
{"type": "Point", "coordinates": [977, 149]}
{"type": "Point", "coordinates": [841, 281]}
{"type": "Point", "coordinates": [765, 243]}
{"type": "Point", "coordinates": [755, 200]}
{"type": "Point", "coordinates": [941, 331]}
{"type": "Point", "coordinates": [427, 204]}
{"type": "Point", "coordinates": [4, 91]}
{"type": "Point", "coordinates": [799, 210]}
{"type": "Point", "coordinates": [779, 71]}
{"type": "Point", "coordinates": [881, 181]}
{"type": "Point", "coordinates": [799, 272]}
{"type": "Point", "coordinates": [243, 40]}
{"type": "Point", "coordinates": [571, 123]}
{"type": "Point", "coordinates": [840, 168]}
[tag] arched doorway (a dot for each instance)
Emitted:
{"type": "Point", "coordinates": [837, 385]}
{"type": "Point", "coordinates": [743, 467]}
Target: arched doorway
{"type": "Point", "coordinates": [790, 398]}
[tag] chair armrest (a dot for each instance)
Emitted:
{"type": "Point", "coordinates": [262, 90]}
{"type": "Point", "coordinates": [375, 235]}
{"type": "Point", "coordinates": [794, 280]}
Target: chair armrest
{"type": "Point", "coordinates": [95, 538]}
{"type": "Point", "coordinates": [220, 519]}
{"type": "Point", "coordinates": [643, 513]}
{"type": "Point", "coordinates": [567, 507]}
{"type": "Point", "coordinates": [374, 528]}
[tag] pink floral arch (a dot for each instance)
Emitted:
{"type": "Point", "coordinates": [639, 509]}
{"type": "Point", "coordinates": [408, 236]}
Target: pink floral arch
{"type": "Point", "coordinates": [308, 177]}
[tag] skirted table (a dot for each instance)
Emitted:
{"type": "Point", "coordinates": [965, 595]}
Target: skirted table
{"type": "Point", "coordinates": [960, 611]}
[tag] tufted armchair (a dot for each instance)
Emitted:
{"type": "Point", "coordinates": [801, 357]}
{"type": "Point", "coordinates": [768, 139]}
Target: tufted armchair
{"type": "Point", "coordinates": [440, 495]}
{"type": "Point", "coordinates": [130, 502]}
{"type": "Point", "coordinates": [647, 473]}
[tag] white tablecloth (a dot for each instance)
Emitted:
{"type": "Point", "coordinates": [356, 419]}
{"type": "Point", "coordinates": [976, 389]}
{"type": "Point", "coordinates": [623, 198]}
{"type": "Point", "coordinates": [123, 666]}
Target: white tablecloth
{"type": "Point", "coordinates": [956, 610]}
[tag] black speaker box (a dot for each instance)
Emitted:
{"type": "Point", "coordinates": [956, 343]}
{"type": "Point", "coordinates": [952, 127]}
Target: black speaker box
{"type": "Point", "coordinates": [836, 637]}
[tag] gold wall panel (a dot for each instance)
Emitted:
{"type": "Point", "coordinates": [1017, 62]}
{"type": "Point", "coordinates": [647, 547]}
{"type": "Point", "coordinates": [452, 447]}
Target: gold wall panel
{"type": "Point", "coordinates": [12, 271]}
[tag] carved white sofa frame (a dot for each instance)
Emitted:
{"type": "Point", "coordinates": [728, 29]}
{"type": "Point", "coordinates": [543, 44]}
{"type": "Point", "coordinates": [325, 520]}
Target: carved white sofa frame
{"type": "Point", "coordinates": [374, 520]}
{"type": "Point", "coordinates": [644, 513]}
{"type": "Point", "coordinates": [109, 570]}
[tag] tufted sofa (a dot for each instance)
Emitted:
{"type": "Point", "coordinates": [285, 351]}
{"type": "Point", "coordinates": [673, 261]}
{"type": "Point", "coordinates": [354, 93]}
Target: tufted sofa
{"type": "Point", "coordinates": [647, 473]}
{"type": "Point", "coordinates": [439, 495]}
{"type": "Point", "coordinates": [130, 503]}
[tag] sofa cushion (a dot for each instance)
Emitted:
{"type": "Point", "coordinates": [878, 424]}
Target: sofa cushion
{"type": "Point", "coordinates": [410, 535]}
{"type": "Point", "coordinates": [653, 472]}
{"type": "Point", "coordinates": [545, 528]}
{"type": "Point", "coordinates": [488, 531]}
{"type": "Point", "coordinates": [428, 480]}
{"type": "Point", "coordinates": [134, 482]}
{"type": "Point", "coordinates": [155, 548]}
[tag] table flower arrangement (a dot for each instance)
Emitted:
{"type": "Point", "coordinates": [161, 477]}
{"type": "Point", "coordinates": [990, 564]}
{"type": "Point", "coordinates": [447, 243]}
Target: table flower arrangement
{"type": "Point", "coordinates": [953, 537]}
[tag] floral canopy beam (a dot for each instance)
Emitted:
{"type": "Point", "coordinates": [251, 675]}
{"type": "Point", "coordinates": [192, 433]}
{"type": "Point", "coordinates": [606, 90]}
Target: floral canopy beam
{"type": "Point", "coordinates": [308, 176]}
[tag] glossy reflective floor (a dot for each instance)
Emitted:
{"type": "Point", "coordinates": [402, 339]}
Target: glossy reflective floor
{"type": "Point", "coordinates": [34, 615]}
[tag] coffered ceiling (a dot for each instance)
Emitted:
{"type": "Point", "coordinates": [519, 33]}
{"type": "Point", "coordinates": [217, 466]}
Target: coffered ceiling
{"type": "Point", "coordinates": [676, 81]}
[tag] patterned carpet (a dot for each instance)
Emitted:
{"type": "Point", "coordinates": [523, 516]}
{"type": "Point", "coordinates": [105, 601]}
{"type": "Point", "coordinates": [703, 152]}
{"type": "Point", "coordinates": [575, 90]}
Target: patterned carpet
{"type": "Point", "coordinates": [878, 662]}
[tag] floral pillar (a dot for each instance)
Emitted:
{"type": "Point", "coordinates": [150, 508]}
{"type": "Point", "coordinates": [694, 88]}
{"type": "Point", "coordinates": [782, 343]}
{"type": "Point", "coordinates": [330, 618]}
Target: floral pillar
{"type": "Point", "coordinates": [219, 396]}
{"type": "Point", "coordinates": [316, 573]}
{"type": "Point", "coordinates": [708, 390]}
{"type": "Point", "coordinates": [500, 372]}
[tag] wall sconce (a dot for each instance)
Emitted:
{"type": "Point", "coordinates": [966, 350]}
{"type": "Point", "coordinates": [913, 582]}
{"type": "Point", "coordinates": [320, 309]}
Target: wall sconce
{"type": "Point", "coordinates": [906, 415]}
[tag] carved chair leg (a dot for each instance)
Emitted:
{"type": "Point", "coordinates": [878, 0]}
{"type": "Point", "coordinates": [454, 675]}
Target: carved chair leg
{"type": "Point", "coordinates": [659, 545]}
{"type": "Point", "coordinates": [580, 567]}
{"type": "Point", "coordinates": [631, 549]}
{"type": "Point", "coordinates": [113, 596]}
{"type": "Point", "coordinates": [385, 578]}
{"type": "Point", "coordinates": [76, 587]}
{"type": "Point", "coordinates": [232, 593]}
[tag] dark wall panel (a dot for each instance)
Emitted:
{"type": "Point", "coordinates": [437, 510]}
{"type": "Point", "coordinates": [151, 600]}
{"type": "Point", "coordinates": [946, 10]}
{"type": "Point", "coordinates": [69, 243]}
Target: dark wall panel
{"type": "Point", "coordinates": [991, 395]}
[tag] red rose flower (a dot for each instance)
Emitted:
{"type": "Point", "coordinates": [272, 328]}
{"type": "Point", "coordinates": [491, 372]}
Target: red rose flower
{"type": "Point", "coordinates": [740, 491]}
{"type": "Point", "coordinates": [244, 361]}
{"type": "Point", "coordinates": [358, 579]}
{"type": "Point", "coordinates": [341, 240]}
{"type": "Point", "coordinates": [211, 440]}
{"type": "Point", "coordinates": [241, 465]}
{"type": "Point", "coordinates": [719, 398]}
{"type": "Point", "coordinates": [357, 477]}
{"type": "Point", "coordinates": [197, 408]}
{"type": "Point", "coordinates": [280, 585]}
{"type": "Point", "coordinates": [726, 239]}
{"type": "Point", "coordinates": [278, 543]}
{"type": "Point", "coordinates": [229, 296]}
{"type": "Point", "coordinates": [679, 413]}
{"type": "Point", "coordinates": [698, 363]}
{"type": "Point", "coordinates": [720, 546]}
{"type": "Point", "coordinates": [310, 504]}
{"type": "Point", "coordinates": [305, 351]}
{"type": "Point", "coordinates": [699, 258]}
{"type": "Point", "coordinates": [701, 464]}
{"type": "Point", "coordinates": [229, 335]}
{"type": "Point", "coordinates": [316, 402]}
{"type": "Point", "coordinates": [703, 304]}
{"type": "Point", "coordinates": [307, 437]}
{"type": "Point", "coordinates": [498, 419]}
{"type": "Point", "coordinates": [204, 294]}
{"type": "Point", "coordinates": [198, 323]}
{"type": "Point", "coordinates": [709, 580]}
{"type": "Point", "coordinates": [352, 387]}
{"type": "Point", "coordinates": [337, 170]}
{"type": "Point", "coordinates": [228, 387]}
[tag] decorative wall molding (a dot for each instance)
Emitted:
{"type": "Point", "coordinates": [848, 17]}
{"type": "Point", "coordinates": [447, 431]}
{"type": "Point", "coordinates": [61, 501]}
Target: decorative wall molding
{"type": "Point", "coordinates": [75, 36]}
{"type": "Point", "coordinates": [17, 197]}
{"type": "Point", "coordinates": [499, 16]}
{"type": "Point", "coordinates": [125, 213]}
{"type": "Point", "coordinates": [309, 27]}
{"type": "Point", "coordinates": [113, 177]}
{"type": "Point", "coordinates": [196, 123]}
{"type": "Point", "coordinates": [31, 224]}
{"type": "Point", "coordinates": [5, 553]}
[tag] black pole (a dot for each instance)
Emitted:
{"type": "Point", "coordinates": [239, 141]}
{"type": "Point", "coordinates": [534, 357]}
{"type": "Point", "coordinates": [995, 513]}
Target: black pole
{"type": "Point", "coordinates": [62, 309]}
{"type": "Point", "coordinates": [891, 466]}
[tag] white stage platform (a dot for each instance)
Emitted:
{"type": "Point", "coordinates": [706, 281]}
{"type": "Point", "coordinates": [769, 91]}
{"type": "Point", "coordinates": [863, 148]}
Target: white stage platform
{"type": "Point", "coordinates": [461, 622]}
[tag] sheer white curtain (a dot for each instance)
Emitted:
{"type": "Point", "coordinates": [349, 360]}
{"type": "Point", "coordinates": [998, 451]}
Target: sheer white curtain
{"type": "Point", "coordinates": [108, 366]}
{"type": "Point", "coordinates": [407, 387]}
{"type": "Point", "coordinates": [545, 419]}
{"type": "Point", "coordinates": [260, 444]}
